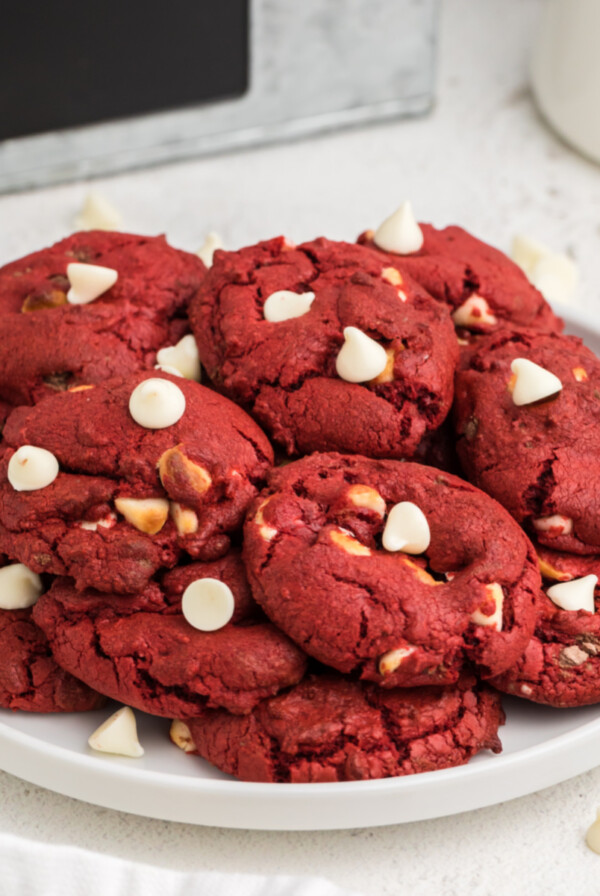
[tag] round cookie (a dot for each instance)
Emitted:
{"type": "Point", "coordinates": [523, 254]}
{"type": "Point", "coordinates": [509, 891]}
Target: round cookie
{"type": "Point", "coordinates": [46, 343]}
{"type": "Point", "coordinates": [482, 286]}
{"type": "Point", "coordinates": [129, 499]}
{"type": "Point", "coordinates": [316, 563]}
{"type": "Point", "coordinates": [329, 728]}
{"type": "Point", "coordinates": [142, 651]}
{"type": "Point", "coordinates": [397, 379]}
{"type": "Point", "coordinates": [152, 276]}
{"type": "Point", "coordinates": [540, 460]}
{"type": "Point", "coordinates": [78, 346]}
{"type": "Point", "coordinates": [561, 664]}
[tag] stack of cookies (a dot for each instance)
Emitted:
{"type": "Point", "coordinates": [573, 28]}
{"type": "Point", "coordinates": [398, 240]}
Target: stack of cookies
{"type": "Point", "coordinates": [328, 562]}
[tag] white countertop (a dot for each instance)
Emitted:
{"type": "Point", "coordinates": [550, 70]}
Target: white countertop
{"type": "Point", "coordinates": [482, 159]}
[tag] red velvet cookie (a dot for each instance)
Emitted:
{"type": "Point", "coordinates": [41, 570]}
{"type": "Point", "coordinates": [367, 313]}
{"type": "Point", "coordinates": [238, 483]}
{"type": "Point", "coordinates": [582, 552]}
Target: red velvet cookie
{"type": "Point", "coordinates": [482, 286]}
{"type": "Point", "coordinates": [141, 650]}
{"type": "Point", "coordinates": [328, 728]}
{"type": "Point", "coordinates": [128, 498]}
{"type": "Point", "coordinates": [152, 276]}
{"type": "Point", "coordinates": [47, 343]}
{"type": "Point", "coordinates": [30, 679]}
{"type": "Point", "coordinates": [541, 459]}
{"type": "Point", "coordinates": [561, 664]}
{"type": "Point", "coordinates": [321, 550]}
{"type": "Point", "coordinates": [327, 345]}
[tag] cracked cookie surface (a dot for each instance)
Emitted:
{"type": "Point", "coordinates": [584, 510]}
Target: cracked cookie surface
{"type": "Point", "coordinates": [94, 522]}
{"type": "Point", "coordinates": [30, 678]}
{"type": "Point", "coordinates": [285, 372]}
{"type": "Point", "coordinates": [328, 728]}
{"type": "Point", "coordinates": [561, 664]}
{"type": "Point", "coordinates": [539, 460]}
{"type": "Point", "coordinates": [139, 649]}
{"type": "Point", "coordinates": [316, 565]}
{"type": "Point", "coordinates": [455, 266]}
{"type": "Point", "coordinates": [47, 344]}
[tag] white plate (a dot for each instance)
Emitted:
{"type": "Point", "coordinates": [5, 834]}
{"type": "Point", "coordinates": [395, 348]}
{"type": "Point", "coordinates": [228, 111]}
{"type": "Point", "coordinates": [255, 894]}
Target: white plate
{"type": "Point", "coordinates": [542, 746]}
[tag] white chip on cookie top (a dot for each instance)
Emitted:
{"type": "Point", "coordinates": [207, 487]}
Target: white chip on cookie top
{"type": "Point", "coordinates": [157, 403]}
{"type": "Point", "coordinates": [554, 525]}
{"type": "Point", "coordinates": [286, 305]}
{"type": "Point", "coordinates": [406, 529]}
{"type": "Point", "coordinates": [474, 312]}
{"type": "Point", "coordinates": [31, 468]}
{"type": "Point", "coordinates": [88, 282]}
{"type": "Point", "coordinates": [533, 383]}
{"type": "Point", "coordinates": [399, 233]}
{"type": "Point", "coordinates": [181, 359]}
{"type": "Point", "coordinates": [494, 601]}
{"type": "Point", "coordinates": [20, 587]}
{"type": "Point", "coordinates": [578, 594]}
{"type": "Point", "coordinates": [208, 604]}
{"type": "Point", "coordinates": [360, 358]}
{"type": "Point", "coordinates": [118, 735]}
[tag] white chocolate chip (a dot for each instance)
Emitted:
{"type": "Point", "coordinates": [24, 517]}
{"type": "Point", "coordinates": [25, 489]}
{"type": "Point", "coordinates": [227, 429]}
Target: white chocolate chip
{"type": "Point", "coordinates": [533, 382]}
{"type": "Point", "coordinates": [556, 278]}
{"type": "Point", "coordinates": [474, 312]}
{"type": "Point", "coordinates": [207, 604]}
{"type": "Point", "coordinates": [98, 213]}
{"type": "Point", "coordinates": [526, 252]}
{"type": "Point", "coordinates": [578, 594]}
{"type": "Point", "coordinates": [495, 594]}
{"type": "Point", "coordinates": [399, 233]}
{"type": "Point", "coordinates": [392, 276]}
{"type": "Point", "coordinates": [175, 467]}
{"type": "Point", "coordinates": [157, 403]}
{"type": "Point", "coordinates": [182, 359]}
{"type": "Point", "coordinates": [181, 736]}
{"type": "Point", "coordinates": [348, 543]}
{"type": "Point", "coordinates": [526, 690]}
{"type": "Point", "coordinates": [20, 587]}
{"type": "Point", "coordinates": [367, 497]}
{"type": "Point", "coordinates": [553, 273]}
{"type": "Point", "coordinates": [166, 368]}
{"type": "Point", "coordinates": [88, 281]}
{"type": "Point", "coordinates": [267, 532]}
{"type": "Point", "coordinates": [106, 523]}
{"type": "Point", "coordinates": [393, 659]}
{"type": "Point", "coordinates": [212, 242]}
{"type": "Point", "coordinates": [360, 358]}
{"type": "Point", "coordinates": [285, 305]}
{"type": "Point", "coordinates": [31, 468]}
{"type": "Point", "coordinates": [592, 837]}
{"type": "Point", "coordinates": [555, 525]}
{"type": "Point", "coordinates": [147, 514]}
{"type": "Point", "coordinates": [573, 656]}
{"type": "Point", "coordinates": [118, 735]}
{"type": "Point", "coordinates": [406, 529]}
{"type": "Point", "coordinates": [186, 521]}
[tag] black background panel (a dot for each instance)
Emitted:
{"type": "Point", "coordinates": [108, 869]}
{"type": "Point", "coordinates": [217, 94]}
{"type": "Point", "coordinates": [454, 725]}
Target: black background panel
{"type": "Point", "coordinates": [66, 63]}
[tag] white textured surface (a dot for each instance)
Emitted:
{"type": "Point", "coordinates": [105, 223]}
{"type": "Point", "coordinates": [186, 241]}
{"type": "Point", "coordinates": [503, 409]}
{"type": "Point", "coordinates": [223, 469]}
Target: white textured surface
{"type": "Point", "coordinates": [482, 159]}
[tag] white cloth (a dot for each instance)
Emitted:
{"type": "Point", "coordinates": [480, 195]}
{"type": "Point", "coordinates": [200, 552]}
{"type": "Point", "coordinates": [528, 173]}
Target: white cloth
{"type": "Point", "coordinates": [29, 868]}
